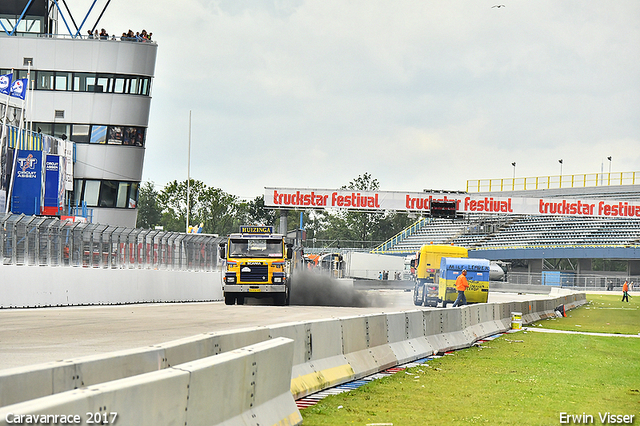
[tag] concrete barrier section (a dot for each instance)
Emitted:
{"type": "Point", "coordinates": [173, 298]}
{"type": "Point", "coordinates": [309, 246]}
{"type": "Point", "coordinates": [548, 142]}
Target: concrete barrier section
{"type": "Point", "coordinates": [250, 383]}
{"type": "Point", "coordinates": [397, 336]}
{"type": "Point", "coordinates": [158, 398]}
{"type": "Point", "coordinates": [60, 376]}
{"type": "Point", "coordinates": [378, 341]}
{"type": "Point", "coordinates": [433, 330]}
{"type": "Point", "coordinates": [355, 344]}
{"type": "Point", "coordinates": [245, 386]}
{"type": "Point", "coordinates": [326, 366]}
{"type": "Point", "coordinates": [451, 329]}
{"type": "Point", "coordinates": [92, 286]}
{"type": "Point", "coordinates": [208, 344]}
{"type": "Point", "coordinates": [416, 337]}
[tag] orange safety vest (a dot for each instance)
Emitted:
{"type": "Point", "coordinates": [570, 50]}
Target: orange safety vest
{"type": "Point", "coordinates": [461, 283]}
{"type": "Point", "coordinates": [625, 286]}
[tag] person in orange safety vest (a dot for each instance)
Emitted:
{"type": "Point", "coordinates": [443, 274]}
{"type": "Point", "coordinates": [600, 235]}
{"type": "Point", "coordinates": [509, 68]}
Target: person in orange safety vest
{"type": "Point", "coordinates": [625, 291]}
{"type": "Point", "coordinates": [461, 286]}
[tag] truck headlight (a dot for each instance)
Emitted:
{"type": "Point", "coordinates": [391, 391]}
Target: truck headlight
{"type": "Point", "coordinates": [230, 279]}
{"type": "Point", "coordinates": [277, 279]}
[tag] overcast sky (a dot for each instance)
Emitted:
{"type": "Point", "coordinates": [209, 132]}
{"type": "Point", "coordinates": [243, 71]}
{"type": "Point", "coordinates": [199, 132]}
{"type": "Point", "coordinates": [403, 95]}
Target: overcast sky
{"type": "Point", "coordinates": [422, 94]}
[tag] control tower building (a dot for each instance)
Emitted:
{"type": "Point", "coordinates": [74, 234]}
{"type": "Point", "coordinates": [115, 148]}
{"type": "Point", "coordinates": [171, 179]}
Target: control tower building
{"type": "Point", "coordinates": [94, 91]}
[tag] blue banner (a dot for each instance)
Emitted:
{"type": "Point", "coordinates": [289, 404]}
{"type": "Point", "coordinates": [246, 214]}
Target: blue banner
{"type": "Point", "coordinates": [27, 187]}
{"type": "Point", "coordinates": [19, 88]}
{"type": "Point", "coordinates": [5, 83]}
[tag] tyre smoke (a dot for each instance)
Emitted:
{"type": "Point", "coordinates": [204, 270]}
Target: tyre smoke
{"type": "Point", "coordinates": [316, 289]}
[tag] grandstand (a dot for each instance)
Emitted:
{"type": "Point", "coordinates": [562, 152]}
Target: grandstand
{"type": "Point", "coordinates": [530, 240]}
{"type": "Point", "coordinates": [520, 232]}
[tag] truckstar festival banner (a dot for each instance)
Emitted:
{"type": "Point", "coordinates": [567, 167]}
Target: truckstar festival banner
{"type": "Point", "coordinates": [465, 203]}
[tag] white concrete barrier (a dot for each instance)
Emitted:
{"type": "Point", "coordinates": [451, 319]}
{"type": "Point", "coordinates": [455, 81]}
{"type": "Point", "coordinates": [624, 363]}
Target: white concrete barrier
{"type": "Point", "coordinates": [29, 382]}
{"type": "Point", "coordinates": [71, 286]}
{"type": "Point", "coordinates": [249, 384]}
{"type": "Point", "coordinates": [323, 363]}
{"type": "Point", "coordinates": [355, 346]}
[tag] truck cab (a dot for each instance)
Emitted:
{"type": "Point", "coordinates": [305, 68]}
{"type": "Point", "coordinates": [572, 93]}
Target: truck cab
{"type": "Point", "coordinates": [425, 290]}
{"type": "Point", "coordinates": [257, 264]}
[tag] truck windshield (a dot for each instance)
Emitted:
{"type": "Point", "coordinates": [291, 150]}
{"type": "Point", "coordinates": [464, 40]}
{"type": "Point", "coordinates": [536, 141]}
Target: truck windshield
{"type": "Point", "coordinates": [257, 247]}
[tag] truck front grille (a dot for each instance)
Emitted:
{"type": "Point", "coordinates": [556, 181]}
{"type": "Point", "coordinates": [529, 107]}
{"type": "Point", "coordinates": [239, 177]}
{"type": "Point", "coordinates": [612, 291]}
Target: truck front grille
{"type": "Point", "coordinates": [257, 273]}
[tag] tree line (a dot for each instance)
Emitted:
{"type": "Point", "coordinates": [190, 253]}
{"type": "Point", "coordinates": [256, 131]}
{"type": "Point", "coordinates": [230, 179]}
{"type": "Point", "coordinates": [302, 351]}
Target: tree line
{"type": "Point", "coordinates": [222, 213]}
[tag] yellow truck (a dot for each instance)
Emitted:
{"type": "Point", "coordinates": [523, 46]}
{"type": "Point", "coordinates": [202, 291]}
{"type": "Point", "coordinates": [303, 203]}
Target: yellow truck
{"type": "Point", "coordinates": [258, 265]}
{"type": "Point", "coordinates": [426, 288]}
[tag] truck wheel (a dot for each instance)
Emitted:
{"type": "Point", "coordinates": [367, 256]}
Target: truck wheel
{"type": "Point", "coordinates": [278, 299]}
{"type": "Point", "coordinates": [415, 297]}
{"type": "Point", "coordinates": [229, 299]}
{"type": "Point", "coordinates": [240, 300]}
{"type": "Point", "coordinates": [444, 303]}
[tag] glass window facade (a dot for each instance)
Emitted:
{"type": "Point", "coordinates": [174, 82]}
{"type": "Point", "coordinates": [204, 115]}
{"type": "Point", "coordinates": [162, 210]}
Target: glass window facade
{"type": "Point", "coordinates": [86, 82]}
{"type": "Point", "coordinates": [96, 133]}
{"type": "Point", "coordinates": [105, 193]}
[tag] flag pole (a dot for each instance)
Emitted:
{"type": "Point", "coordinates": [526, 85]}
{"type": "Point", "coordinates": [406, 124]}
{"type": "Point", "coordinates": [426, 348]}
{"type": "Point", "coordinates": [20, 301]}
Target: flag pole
{"type": "Point", "coordinates": [3, 149]}
{"type": "Point", "coordinates": [188, 172]}
{"type": "Point", "coordinates": [6, 111]}
{"type": "Point", "coordinates": [24, 101]}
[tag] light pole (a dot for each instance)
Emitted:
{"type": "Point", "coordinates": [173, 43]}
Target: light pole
{"type": "Point", "coordinates": [188, 172]}
{"type": "Point", "coordinates": [560, 161]}
{"type": "Point", "coordinates": [514, 171]}
{"type": "Point", "coordinates": [609, 158]}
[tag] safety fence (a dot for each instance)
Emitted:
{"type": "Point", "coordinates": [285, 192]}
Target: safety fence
{"type": "Point", "coordinates": [554, 182]}
{"type": "Point", "coordinates": [49, 241]}
{"type": "Point", "coordinates": [571, 280]}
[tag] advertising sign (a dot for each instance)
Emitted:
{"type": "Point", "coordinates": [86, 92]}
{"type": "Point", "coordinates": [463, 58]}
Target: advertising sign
{"type": "Point", "coordinates": [53, 185]}
{"type": "Point", "coordinates": [27, 188]}
{"type": "Point", "coordinates": [465, 203]}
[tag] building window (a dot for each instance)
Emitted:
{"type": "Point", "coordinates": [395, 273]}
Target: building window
{"type": "Point", "coordinates": [45, 80]}
{"type": "Point", "coordinates": [80, 133]}
{"type": "Point", "coordinates": [91, 193]}
{"type": "Point", "coordinates": [98, 134]}
{"type": "Point", "coordinates": [63, 81]}
{"type": "Point", "coordinates": [106, 193]}
{"type": "Point", "coordinates": [123, 195]}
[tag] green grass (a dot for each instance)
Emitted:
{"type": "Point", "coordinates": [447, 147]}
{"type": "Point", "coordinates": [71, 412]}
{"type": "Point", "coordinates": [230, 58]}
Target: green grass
{"type": "Point", "coordinates": [603, 314]}
{"type": "Point", "coordinates": [523, 378]}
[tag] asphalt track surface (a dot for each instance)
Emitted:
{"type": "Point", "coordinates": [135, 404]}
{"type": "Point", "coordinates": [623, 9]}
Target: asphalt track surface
{"type": "Point", "coordinates": [33, 336]}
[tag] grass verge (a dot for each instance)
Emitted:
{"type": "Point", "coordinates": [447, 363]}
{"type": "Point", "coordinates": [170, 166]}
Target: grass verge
{"type": "Point", "coordinates": [605, 313]}
{"type": "Point", "coordinates": [521, 378]}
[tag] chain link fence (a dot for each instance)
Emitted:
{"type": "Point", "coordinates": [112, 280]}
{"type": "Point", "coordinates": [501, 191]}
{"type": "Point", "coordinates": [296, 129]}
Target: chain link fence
{"type": "Point", "coordinates": [596, 282]}
{"type": "Point", "coordinates": [47, 241]}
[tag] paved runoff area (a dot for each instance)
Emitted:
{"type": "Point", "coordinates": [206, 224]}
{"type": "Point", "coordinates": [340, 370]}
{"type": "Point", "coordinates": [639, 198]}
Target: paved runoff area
{"type": "Point", "coordinates": [32, 336]}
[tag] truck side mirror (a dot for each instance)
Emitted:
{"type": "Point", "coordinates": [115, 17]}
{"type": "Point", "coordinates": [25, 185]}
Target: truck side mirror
{"type": "Point", "coordinates": [223, 251]}
{"type": "Point", "coordinates": [289, 251]}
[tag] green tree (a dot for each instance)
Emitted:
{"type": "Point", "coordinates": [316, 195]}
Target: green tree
{"type": "Point", "coordinates": [149, 213]}
{"type": "Point", "coordinates": [257, 214]}
{"type": "Point", "coordinates": [362, 225]}
{"type": "Point", "coordinates": [218, 211]}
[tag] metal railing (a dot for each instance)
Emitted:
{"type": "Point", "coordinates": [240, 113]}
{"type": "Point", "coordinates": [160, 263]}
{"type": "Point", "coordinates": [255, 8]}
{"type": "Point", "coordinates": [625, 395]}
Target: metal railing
{"type": "Point", "coordinates": [598, 282]}
{"type": "Point", "coordinates": [48, 241]}
{"type": "Point", "coordinates": [388, 245]}
{"type": "Point", "coordinates": [554, 182]}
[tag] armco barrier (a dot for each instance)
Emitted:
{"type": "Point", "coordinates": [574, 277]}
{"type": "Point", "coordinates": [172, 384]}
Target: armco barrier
{"type": "Point", "coordinates": [235, 387]}
{"type": "Point", "coordinates": [325, 352]}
